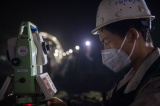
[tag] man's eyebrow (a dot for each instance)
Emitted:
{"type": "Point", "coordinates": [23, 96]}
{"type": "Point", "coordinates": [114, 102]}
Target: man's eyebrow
{"type": "Point", "coordinates": [103, 39]}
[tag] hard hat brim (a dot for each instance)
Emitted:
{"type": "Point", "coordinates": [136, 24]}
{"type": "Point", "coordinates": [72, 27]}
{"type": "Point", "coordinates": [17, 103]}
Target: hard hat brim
{"type": "Point", "coordinates": [95, 31]}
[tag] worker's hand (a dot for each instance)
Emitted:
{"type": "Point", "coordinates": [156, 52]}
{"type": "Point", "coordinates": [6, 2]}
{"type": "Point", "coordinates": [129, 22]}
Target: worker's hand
{"type": "Point", "coordinates": [54, 101]}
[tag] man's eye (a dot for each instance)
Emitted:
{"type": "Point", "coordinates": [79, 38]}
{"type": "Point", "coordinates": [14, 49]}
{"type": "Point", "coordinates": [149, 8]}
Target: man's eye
{"type": "Point", "coordinates": [107, 43]}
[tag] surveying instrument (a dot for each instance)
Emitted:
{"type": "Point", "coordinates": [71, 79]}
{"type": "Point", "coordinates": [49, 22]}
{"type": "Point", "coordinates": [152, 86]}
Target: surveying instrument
{"type": "Point", "coordinates": [28, 86]}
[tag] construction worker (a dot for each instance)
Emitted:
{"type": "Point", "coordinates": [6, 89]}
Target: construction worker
{"type": "Point", "coordinates": [124, 30]}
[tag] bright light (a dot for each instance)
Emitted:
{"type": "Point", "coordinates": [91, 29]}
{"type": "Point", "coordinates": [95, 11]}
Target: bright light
{"type": "Point", "coordinates": [56, 50]}
{"type": "Point", "coordinates": [58, 46]}
{"type": "Point", "coordinates": [54, 38]}
{"type": "Point", "coordinates": [64, 54]}
{"type": "Point", "coordinates": [70, 51]}
{"type": "Point", "coordinates": [88, 43]}
{"type": "Point", "coordinates": [56, 54]}
{"type": "Point", "coordinates": [77, 47]}
{"type": "Point", "coordinates": [67, 52]}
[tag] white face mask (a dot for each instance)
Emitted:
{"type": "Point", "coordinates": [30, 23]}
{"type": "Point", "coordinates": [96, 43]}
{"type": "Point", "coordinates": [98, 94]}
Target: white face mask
{"type": "Point", "coordinates": [116, 59]}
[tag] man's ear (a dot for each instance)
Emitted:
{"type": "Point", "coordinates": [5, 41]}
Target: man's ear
{"type": "Point", "coordinates": [132, 35]}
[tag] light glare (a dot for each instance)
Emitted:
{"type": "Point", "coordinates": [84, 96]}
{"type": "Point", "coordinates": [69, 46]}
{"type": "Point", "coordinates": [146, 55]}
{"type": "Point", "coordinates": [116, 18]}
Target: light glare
{"type": "Point", "coordinates": [54, 38]}
{"type": "Point", "coordinates": [56, 51]}
{"type": "Point", "coordinates": [64, 54]}
{"type": "Point", "coordinates": [56, 54]}
{"type": "Point", "coordinates": [77, 47]}
{"type": "Point", "coordinates": [70, 51]}
{"type": "Point", "coordinates": [67, 52]}
{"type": "Point", "coordinates": [88, 43]}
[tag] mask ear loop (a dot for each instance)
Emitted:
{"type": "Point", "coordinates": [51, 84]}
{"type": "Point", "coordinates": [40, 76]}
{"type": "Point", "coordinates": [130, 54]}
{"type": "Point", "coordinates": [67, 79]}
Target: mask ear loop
{"type": "Point", "coordinates": [122, 43]}
{"type": "Point", "coordinates": [132, 50]}
{"type": "Point", "coordinates": [133, 46]}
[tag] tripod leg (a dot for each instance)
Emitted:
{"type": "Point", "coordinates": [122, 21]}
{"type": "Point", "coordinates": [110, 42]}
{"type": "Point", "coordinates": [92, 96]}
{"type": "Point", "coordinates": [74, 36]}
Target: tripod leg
{"type": "Point", "coordinates": [5, 87]}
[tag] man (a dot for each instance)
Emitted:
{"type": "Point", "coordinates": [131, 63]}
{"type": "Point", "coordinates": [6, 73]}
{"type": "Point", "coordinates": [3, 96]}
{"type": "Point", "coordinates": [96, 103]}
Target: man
{"type": "Point", "coordinates": [123, 27]}
{"type": "Point", "coordinates": [124, 30]}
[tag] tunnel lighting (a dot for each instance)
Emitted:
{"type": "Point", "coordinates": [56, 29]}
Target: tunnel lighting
{"type": "Point", "coordinates": [64, 54]}
{"type": "Point", "coordinates": [50, 42]}
{"type": "Point", "coordinates": [56, 54]}
{"type": "Point", "coordinates": [67, 52]}
{"type": "Point", "coordinates": [56, 50]}
{"type": "Point", "coordinates": [70, 51]}
{"type": "Point", "coordinates": [55, 44]}
{"type": "Point", "coordinates": [77, 47]}
{"type": "Point", "coordinates": [88, 43]}
{"type": "Point", "coordinates": [54, 38]}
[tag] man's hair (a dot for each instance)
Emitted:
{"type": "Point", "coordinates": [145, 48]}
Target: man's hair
{"type": "Point", "coordinates": [121, 28]}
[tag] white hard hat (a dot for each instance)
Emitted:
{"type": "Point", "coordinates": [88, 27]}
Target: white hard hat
{"type": "Point", "coordinates": [110, 11]}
